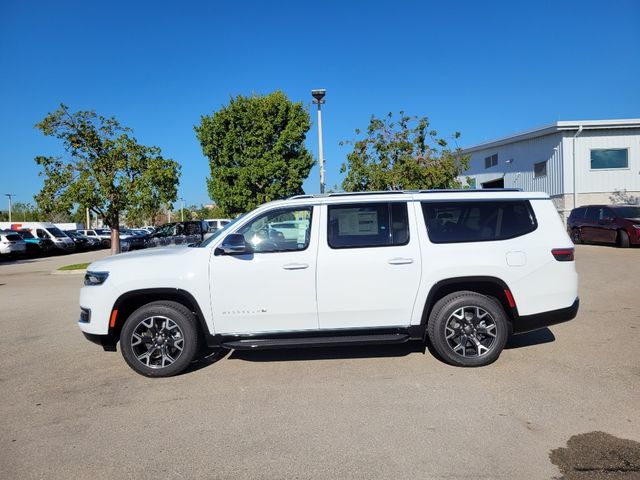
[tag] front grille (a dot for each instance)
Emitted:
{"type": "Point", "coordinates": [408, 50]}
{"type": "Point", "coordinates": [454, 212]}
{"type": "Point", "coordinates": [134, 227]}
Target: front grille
{"type": "Point", "coordinates": [85, 315]}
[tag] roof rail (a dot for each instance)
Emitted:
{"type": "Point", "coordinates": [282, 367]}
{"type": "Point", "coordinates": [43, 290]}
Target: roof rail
{"type": "Point", "coordinates": [390, 192]}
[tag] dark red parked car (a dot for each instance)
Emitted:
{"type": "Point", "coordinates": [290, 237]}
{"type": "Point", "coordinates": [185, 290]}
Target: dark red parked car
{"type": "Point", "coordinates": [618, 224]}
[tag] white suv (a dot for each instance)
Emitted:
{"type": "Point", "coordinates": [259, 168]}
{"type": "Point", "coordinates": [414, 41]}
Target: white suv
{"type": "Point", "coordinates": [464, 269]}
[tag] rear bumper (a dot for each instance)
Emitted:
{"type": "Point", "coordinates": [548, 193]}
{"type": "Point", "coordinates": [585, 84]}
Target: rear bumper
{"type": "Point", "coordinates": [528, 323]}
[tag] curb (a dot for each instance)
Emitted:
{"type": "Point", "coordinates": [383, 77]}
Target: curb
{"type": "Point", "coordinates": [68, 272]}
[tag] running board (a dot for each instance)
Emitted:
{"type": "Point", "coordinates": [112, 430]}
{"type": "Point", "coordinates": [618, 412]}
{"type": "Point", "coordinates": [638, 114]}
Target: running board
{"type": "Point", "coordinates": [258, 343]}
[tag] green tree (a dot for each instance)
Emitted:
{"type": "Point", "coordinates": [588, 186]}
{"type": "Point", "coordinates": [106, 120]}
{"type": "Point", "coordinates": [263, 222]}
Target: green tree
{"type": "Point", "coordinates": [256, 152]}
{"type": "Point", "coordinates": [402, 154]}
{"type": "Point", "coordinates": [105, 169]}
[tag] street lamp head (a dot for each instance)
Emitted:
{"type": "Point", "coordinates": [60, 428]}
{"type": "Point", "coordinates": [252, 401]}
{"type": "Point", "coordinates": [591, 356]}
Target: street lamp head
{"type": "Point", "coordinates": [318, 95]}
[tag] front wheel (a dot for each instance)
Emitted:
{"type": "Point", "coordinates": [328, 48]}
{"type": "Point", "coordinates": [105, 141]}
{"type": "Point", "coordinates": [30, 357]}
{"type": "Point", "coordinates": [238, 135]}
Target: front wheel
{"type": "Point", "coordinates": [623, 239]}
{"type": "Point", "coordinates": [468, 329]}
{"type": "Point", "coordinates": [159, 339]}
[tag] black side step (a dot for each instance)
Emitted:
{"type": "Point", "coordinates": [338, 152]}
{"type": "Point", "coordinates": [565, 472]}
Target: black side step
{"type": "Point", "coordinates": [251, 343]}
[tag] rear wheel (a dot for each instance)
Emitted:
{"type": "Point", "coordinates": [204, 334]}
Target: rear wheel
{"type": "Point", "coordinates": [576, 237]}
{"type": "Point", "coordinates": [468, 329]}
{"type": "Point", "coordinates": [623, 239]}
{"type": "Point", "coordinates": [159, 339]}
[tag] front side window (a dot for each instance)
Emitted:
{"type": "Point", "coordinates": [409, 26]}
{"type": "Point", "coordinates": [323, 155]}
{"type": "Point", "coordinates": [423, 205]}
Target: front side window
{"type": "Point", "coordinates": [359, 225]}
{"type": "Point", "coordinates": [627, 212]}
{"type": "Point", "coordinates": [609, 158]}
{"type": "Point", "coordinates": [473, 221]}
{"type": "Point", "coordinates": [282, 230]}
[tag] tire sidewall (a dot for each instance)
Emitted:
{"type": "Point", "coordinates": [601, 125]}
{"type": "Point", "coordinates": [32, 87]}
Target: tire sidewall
{"type": "Point", "coordinates": [623, 239]}
{"type": "Point", "coordinates": [438, 324]}
{"type": "Point", "coordinates": [185, 322]}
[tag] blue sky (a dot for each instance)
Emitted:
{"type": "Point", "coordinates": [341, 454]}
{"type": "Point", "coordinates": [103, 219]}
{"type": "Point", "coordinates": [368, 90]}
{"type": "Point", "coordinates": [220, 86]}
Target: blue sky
{"type": "Point", "coordinates": [486, 69]}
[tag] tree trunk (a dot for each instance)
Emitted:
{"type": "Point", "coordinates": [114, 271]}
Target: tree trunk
{"type": "Point", "coordinates": [115, 234]}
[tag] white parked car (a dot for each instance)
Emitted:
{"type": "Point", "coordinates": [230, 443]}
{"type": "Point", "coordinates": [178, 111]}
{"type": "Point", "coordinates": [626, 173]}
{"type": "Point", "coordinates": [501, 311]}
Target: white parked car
{"type": "Point", "coordinates": [216, 224]}
{"type": "Point", "coordinates": [11, 243]}
{"type": "Point", "coordinates": [44, 230]}
{"type": "Point", "coordinates": [464, 269]}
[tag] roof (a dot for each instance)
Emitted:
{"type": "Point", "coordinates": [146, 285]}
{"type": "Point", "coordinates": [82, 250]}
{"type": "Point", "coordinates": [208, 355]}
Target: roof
{"type": "Point", "coordinates": [556, 127]}
{"type": "Point", "coordinates": [405, 195]}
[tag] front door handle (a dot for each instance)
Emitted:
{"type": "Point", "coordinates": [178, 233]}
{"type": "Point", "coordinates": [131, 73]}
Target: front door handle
{"type": "Point", "coordinates": [400, 261]}
{"type": "Point", "coordinates": [295, 266]}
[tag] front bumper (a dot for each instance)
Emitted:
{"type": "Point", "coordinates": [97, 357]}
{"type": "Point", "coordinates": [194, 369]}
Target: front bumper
{"type": "Point", "coordinates": [528, 323]}
{"type": "Point", "coordinates": [107, 342]}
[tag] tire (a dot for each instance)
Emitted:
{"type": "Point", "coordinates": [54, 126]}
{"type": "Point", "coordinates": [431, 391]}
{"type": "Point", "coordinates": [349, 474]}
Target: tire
{"type": "Point", "coordinates": [147, 351]}
{"type": "Point", "coordinates": [576, 237]}
{"type": "Point", "coordinates": [468, 329]}
{"type": "Point", "coordinates": [623, 239]}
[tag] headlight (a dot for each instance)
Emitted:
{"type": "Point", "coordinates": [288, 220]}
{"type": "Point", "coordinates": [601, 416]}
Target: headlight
{"type": "Point", "coordinates": [95, 278]}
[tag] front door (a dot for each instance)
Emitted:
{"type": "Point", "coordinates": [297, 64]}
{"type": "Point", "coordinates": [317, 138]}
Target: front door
{"type": "Point", "coordinates": [273, 288]}
{"type": "Point", "coordinates": [368, 265]}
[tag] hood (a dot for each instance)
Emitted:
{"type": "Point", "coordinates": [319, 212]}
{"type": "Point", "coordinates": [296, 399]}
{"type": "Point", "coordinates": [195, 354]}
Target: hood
{"type": "Point", "coordinates": [151, 255]}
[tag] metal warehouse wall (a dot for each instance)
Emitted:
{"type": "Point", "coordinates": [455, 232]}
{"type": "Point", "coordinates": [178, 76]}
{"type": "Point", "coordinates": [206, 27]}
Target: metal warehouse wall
{"type": "Point", "coordinates": [519, 173]}
{"type": "Point", "coordinates": [588, 180]}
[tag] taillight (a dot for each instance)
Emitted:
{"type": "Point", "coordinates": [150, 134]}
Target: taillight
{"type": "Point", "coordinates": [563, 254]}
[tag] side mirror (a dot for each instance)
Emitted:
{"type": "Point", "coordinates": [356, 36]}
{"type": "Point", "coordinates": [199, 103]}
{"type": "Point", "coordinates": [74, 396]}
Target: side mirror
{"type": "Point", "coordinates": [234, 244]}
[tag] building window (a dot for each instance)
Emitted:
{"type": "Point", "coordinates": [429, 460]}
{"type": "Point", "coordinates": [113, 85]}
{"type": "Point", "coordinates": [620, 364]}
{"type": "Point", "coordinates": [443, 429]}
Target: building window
{"type": "Point", "coordinates": [491, 161]}
{"type": "Point", "coordinates": [540, 169]}
{"type": "Point", "coordinates": [609, 158]}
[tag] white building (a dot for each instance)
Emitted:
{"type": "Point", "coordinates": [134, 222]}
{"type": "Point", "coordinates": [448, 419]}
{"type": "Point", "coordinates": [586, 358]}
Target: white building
{"type": "Point", "coordinates": [606, 155]}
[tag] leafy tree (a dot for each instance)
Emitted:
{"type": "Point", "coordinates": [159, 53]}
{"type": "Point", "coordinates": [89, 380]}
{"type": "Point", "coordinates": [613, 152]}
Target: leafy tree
{"type": "Point", "coordinates": [256, 151]}
{"type": "Point", "coordinates": [402, 154]}
{"type": "Point", "coordinates": [106, 169]}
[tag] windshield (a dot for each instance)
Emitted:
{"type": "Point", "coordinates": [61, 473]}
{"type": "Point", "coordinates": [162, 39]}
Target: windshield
{"type": "Point", "coordinates": [628, 212]}
{"type": "Point", "coordinates": [219, 231]}
{"type": "Point", "coordinates": [56, 232]}
{"type": "Point", "coordinates": [103, 231]}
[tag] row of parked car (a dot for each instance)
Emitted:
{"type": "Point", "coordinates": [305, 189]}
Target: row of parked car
{"type": "Point", "coordinates": [42, 238]}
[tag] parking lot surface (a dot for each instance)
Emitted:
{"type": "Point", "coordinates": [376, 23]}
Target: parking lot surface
{"type": "Point", "coordinates": [70, 410]}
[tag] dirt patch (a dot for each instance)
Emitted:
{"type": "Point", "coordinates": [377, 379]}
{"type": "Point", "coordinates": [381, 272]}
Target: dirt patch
{"type": "Point", "coordinates": [597, 455]}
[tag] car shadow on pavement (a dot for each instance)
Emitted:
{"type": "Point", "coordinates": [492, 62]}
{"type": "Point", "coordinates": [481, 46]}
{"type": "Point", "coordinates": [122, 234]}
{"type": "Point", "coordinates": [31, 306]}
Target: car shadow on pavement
{"type": "Point", "coordinates": [346, 352]}
{"type": "Point", "coordinates": [328, 353]}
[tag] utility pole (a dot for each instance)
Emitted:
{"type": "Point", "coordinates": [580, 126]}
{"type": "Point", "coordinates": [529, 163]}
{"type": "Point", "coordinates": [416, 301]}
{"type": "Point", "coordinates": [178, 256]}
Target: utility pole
{"type": "Point", "coordinates": [88, 219]}
{"type": "Point", "coordinates": [9, 195]}
{"type": "Point", "coordinates": [318, 96]}
{"type": "Point", "coordinates": [182, 210]}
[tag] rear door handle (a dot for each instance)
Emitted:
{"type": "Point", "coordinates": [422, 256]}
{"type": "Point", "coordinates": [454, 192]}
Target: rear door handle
{"type": "Point", "coordinates": [295, 266]}
{"type": "Point", "coordinates": [400, 261]}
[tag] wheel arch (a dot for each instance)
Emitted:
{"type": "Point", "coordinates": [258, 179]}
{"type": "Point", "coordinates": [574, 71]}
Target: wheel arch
{"type": "Point", "coordinates": [130, 301]}
{"type": "Point", "coordinates": [484, 285]}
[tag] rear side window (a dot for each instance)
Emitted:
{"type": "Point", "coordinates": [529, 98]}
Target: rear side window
{"type": "Point", "coordinates": [360, 225]}
{"type": "Point", "coordinates": [13, 237]}
{"type": "Point", "coordinates": [454, 222]}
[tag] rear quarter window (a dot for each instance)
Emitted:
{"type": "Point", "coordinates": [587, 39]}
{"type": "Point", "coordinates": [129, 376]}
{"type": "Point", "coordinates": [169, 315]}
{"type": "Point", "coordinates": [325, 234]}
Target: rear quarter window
{"type": "Point", "coordinates": [478, 221]}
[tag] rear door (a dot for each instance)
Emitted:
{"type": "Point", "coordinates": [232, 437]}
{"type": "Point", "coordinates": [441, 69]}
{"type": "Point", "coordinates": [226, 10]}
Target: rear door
{"type": "Point", "coordinates": [368, 265]}
{"type": "Point", "coordinates": [590, 228]}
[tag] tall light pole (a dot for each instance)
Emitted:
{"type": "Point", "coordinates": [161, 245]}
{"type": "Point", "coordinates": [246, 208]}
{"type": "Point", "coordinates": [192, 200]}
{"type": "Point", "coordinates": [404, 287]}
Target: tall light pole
{"type": "Point", "coordinates": [9, 195]}
{"type": "Point", "coordinates": [182, 210]}
{"type": "Point", "coordinates": [318, 96]}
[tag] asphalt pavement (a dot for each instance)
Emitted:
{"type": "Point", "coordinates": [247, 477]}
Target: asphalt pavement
{"type": "Point", "coordinates": [70, 410]}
